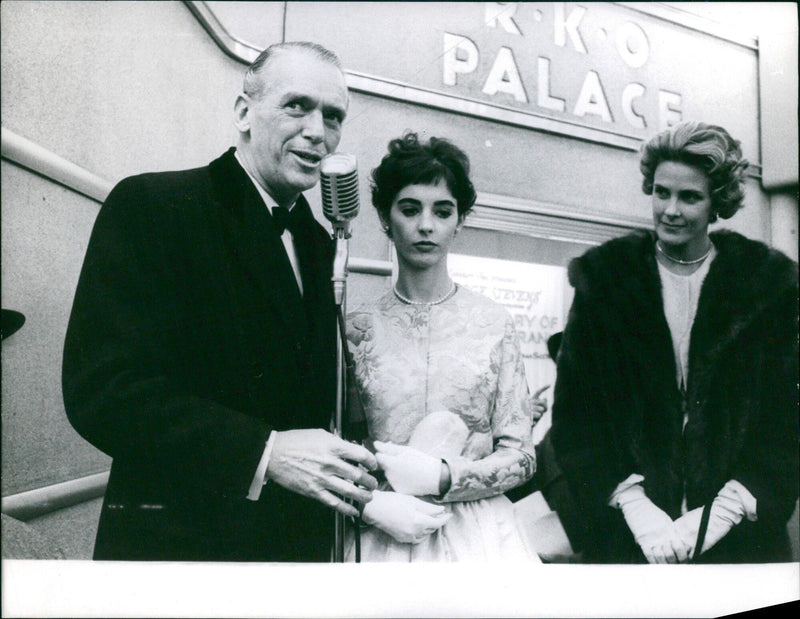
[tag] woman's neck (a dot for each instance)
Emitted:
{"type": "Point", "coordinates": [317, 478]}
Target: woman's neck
{"type": "Point", "coordinates": [693, 250]}
{"type": "Point", "coordinates": [679, 265]}
{"type": "Point", "coordinates": [423, 286]}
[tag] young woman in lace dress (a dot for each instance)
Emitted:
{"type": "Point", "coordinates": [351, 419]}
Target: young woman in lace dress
{"type": "Point", "coordinates": [441, 379]}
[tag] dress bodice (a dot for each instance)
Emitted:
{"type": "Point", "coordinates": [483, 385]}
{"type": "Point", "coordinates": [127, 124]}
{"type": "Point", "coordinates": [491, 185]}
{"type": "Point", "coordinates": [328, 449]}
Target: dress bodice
{"type": "Point", "coordinates": [460, 356]}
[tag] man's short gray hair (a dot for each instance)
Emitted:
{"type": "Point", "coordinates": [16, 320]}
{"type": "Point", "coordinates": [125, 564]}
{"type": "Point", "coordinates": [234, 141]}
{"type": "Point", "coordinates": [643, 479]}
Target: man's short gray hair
{"type": "Point", "coordinates": [254, 85]}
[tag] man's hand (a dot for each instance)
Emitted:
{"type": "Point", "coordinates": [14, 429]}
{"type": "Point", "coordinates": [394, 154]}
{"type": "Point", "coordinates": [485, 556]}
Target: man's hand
{"type": "Point", "coordinates": [319, 465]}
{"type": "Point", "coordinates": [406, 518]}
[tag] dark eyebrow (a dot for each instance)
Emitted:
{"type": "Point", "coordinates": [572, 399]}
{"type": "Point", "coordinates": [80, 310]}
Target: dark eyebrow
{"type": "Point", "coordinates": [410, 201]}
{"type": "Point", "coordinates": [310, 102]}
{"type": "Point", "coordinates": [444, 203]}
{"type": "Point", "coordinates": [298, 96]}
{"type": "Point", "coordinates": [339, 111]}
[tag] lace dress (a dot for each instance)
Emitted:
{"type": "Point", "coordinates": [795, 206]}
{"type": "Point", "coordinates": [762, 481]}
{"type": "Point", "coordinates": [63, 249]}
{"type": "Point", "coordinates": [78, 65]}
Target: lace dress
{"type": "Point", "coordinates": [449, 380]}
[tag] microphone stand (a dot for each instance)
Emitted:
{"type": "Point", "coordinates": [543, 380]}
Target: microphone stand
{"type": "Point", "coordinates": [339, 280]}
{"type": "Point", "coordinates": [357, 429]}
{"type": "Point", "coordinates": [339, 185]}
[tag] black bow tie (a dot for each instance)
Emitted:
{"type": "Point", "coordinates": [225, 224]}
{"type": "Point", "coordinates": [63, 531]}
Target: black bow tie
{"type": "Point", "coordinates": [285, 219]}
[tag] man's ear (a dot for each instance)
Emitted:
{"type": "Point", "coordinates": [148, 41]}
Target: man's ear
{"type": "Point", "coordinates": [241, 113]}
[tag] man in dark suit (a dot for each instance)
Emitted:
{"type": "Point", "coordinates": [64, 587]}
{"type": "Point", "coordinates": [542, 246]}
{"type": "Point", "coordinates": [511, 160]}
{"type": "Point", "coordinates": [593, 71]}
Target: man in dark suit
{"type": "Point", "coordinates": [201, 349]}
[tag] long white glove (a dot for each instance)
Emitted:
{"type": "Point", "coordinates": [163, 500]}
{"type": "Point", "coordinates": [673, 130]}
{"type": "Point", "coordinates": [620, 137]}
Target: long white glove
{"type": "Point", "coordinates": [409, 470]}
{"type": "Point", "coordinates": [651, 526]}
{"type": "Point", "coordinates": [406, 518]}
{"type": "Point", "coordinates": [729, 507]}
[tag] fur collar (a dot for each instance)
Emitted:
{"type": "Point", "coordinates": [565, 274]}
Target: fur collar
{"type": "Point", "coordinates": [744, 280]}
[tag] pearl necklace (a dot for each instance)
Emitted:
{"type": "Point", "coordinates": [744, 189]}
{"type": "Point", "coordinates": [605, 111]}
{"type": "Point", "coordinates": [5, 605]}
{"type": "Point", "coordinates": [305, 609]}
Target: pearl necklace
{"type": "Point", "coordinates": [446, 296]}
{"type": "Point", "coordinates": [678, 260]}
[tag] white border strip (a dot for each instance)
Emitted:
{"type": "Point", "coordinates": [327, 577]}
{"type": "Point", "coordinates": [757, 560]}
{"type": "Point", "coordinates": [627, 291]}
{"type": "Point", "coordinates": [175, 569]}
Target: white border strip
{"type": "Point", "coordinates": [229, 589]}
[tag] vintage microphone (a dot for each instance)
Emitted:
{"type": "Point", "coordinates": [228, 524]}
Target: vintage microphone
{"type": "Point", "coordinates": [339, 184]}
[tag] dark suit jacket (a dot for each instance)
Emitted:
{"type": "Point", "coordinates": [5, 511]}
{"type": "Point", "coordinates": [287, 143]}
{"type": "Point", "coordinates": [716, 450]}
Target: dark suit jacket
{"type": "Point", "coordinates": [187, 344]}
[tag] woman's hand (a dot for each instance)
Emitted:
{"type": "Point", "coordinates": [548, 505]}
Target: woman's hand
{"type": "Point", "coordinates": [539, 404]}
{"type": "Point", "coordinates": [652, 527]}
{"type": "Point", "coordinates": [727, 510]}
{"type": "Point", "coordinates": [666, 546]}
{"type": "Point", "coordinates": [409, 470]}
{"type": "Point", "coordinates": [406, 518]}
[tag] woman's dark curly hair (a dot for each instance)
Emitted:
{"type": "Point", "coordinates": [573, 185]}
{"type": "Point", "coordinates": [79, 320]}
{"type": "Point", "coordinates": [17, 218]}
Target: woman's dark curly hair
{"type": "Point", "coordinates": [709, 148]}
{"type": "Point", "coordinates": [411, 162]}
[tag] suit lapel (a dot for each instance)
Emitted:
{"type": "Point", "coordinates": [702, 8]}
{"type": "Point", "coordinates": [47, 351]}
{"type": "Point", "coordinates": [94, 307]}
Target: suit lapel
{"type": "Point", "coordinates": [314, 251]}
{"type": "Point", "coordinates": [312, 254]}
{"type": "Point", "coordinates": [253, 239]}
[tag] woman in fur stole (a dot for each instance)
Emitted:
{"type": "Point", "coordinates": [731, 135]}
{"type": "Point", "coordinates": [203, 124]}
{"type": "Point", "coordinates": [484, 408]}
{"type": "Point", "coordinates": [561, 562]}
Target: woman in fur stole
{"type": "Point", "coordinates": [677, 378]}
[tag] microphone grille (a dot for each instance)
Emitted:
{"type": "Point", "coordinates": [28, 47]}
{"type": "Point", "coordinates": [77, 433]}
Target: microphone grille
{"type": "Point", "coordinates": [337, 164]}
{"type": "Point", "coordinates": [339, 185]}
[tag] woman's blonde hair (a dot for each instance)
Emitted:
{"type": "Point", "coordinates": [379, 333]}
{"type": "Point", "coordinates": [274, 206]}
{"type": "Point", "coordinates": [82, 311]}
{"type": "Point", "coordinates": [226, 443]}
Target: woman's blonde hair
{"type": "Point", "coordinates": [709, 148]}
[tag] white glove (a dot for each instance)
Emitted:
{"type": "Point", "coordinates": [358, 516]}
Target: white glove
{"type": "Point", "coordinates": [441, 434]}
{"type": "Point", "coordinates": [727, 510]}
{"type": "Point", "coordinates": [409, 470]}
{"type": "Point", "coordinates": [406, 518]}
{"type": "Point", "coordinates": [651, 526]}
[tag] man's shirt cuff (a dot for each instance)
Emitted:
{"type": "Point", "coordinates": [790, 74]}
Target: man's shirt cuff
{"type": "Point", "coordinates": [260, 478]}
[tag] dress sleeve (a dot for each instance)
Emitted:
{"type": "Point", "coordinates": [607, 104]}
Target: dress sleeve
{"type": "Point", "coordinates": [121, 340]}
{"type": "Point", "coordinates": [511, 419]}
